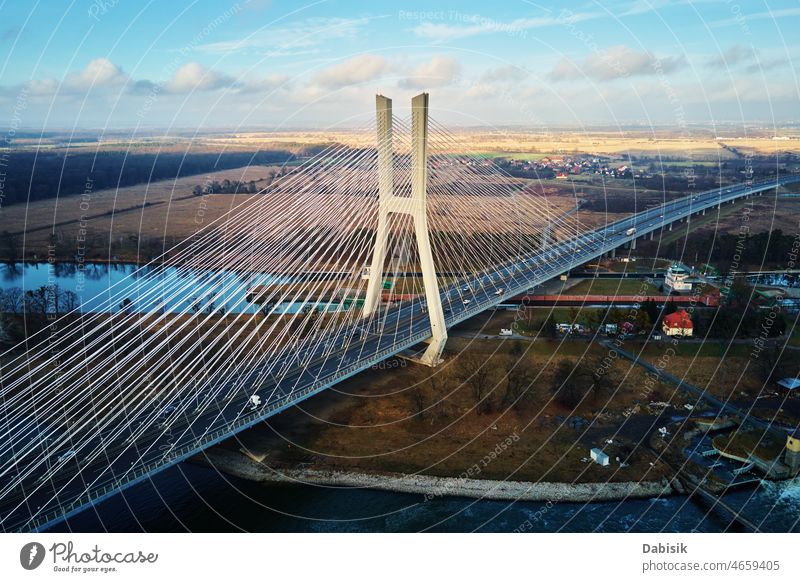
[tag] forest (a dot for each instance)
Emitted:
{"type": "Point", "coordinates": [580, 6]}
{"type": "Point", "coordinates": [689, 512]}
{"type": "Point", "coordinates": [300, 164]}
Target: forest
{"type": "Point", "coordinates": [49, 174]}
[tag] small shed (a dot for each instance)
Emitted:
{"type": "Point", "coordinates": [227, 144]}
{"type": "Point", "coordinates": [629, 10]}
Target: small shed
{"type": "Point", "coordinates": [599, 457]}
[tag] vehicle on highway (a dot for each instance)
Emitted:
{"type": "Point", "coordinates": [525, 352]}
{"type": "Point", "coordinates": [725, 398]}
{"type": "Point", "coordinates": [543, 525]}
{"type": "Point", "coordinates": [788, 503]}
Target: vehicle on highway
{"type": "Point", "coordinates": [499, 292]}
{"type": "Point", "coordinates": [66, 455]}
{"type": "Point", "coordinates": [630, 231]}
{"type": "Point", "coordinates": [466, 301]}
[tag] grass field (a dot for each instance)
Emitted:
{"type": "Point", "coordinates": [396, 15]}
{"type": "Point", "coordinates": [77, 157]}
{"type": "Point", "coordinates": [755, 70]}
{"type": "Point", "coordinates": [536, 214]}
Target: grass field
{"type": "Point", "coordinates": [701, 147]}
{"type": "Point", "coordinates": [371, 422]}
{"type": "Point", "coordinates": [613, 287]}
{"type": "Point", "coordinates": [165, 209]}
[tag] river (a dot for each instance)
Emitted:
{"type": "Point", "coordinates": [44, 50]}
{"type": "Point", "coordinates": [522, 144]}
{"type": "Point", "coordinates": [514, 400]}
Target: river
{"type": "Point", "coordinates": [196, 498]}
{"type": "Point", "coordinates": [104, 287]}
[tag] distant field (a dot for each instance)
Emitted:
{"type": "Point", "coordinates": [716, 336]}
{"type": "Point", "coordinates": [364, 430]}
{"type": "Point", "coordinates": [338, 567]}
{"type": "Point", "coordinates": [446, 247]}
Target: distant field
{"type": "Point", "coordinates": [700, 148]}
{"type": "Point", "coordinates": [156, 210]}
{"type": "Point", "coordinates": [139, 222]}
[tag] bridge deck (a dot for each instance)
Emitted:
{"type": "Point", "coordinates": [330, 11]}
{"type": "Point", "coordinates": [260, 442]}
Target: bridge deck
{"type": "Point", "coordinates": [146, 450]}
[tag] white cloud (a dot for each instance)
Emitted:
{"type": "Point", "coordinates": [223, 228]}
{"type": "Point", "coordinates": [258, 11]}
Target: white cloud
{"type": "Point", "coordinates": [749, 58]}
{"type": "Point", "coordinates": [356, 70]}
{"type": "Point", "coordinates": [440, 71]}
{"type": "Point", "coordinates": [736, 54]}
{"type": "Point", "coordinates": [476, 25]}
{"type": "Point", "coordinates": [286, 39]}
{"type": "Point", "coordinates": [742, 19]}
{"type": "Point", "coordinates": [263, 84]}
{"type": "Point", "coordinates": [614, 63]}
{"type": "Point", "coordinates": [99, 73]}
{"type": "Point", "coordinates": [504, 74]}
{"type": "Point", "coordinates": [196, 77]}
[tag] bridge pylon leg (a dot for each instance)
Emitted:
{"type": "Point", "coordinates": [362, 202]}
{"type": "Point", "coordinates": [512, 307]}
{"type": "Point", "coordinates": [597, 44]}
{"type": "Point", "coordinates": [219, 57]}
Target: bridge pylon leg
{"type": "Point", "coordinates": [383, 113]}
{"type": "Point", "coordinates": [416, 206]}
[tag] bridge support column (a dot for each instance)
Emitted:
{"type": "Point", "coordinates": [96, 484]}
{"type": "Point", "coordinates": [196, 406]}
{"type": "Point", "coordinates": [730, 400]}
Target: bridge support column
{"type": "Point", "coordinates": [651, 234]}
{"type": "Point", "coordinates": [670, 227]}
{"type": "Point", "coordinates": [415, 206]}
{"type": "Point", "coordinates": [633, 244]}
{"type": "Point", "coordinates": [704, 212]}
{"type": "Point", "coordinates": [383, 113]}
{"type": "Point", "coordinates": [614, 252]}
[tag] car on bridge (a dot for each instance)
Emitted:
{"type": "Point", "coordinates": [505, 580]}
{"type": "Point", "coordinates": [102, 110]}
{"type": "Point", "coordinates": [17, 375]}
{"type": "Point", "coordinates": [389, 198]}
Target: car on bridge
{"type": "Point", "coordinates": [66, 456]}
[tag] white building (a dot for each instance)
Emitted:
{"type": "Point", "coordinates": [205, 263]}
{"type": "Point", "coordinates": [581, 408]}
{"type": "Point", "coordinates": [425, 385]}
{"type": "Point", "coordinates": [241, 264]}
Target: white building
{"type": "Point", "coordinates": [599, 457]}
{"type": "Point", "coordinates": [677, 279]}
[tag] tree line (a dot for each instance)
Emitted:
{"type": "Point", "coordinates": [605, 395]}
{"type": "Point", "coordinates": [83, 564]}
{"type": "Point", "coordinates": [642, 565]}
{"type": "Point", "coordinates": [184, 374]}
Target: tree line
{"type": "Point", "coordinates": [49, 174]}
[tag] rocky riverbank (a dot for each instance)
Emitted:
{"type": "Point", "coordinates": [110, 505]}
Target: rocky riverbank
{"type": "Point", "coordinates": [240, 465]}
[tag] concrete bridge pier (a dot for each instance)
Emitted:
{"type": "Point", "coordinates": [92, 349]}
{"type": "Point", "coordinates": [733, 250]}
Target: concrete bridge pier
{"type": "Point", "coordinates": [415, 206]}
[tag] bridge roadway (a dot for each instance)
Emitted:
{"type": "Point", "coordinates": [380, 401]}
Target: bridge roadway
{"type": "Point", "coordinates": [145, 448]}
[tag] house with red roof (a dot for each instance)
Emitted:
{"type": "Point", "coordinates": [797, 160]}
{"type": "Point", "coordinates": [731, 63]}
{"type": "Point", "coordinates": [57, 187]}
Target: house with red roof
{"type": "Point", "coordinates": [678, 324]}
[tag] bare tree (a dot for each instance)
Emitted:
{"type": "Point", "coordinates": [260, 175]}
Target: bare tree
{"type": "Point", "coordinates": [418, 401]}
{"type": "Point", "coordinates": [568, 388]}
{"type": "Point", "coordinates": [478, 374]}
{"type": "Point", "coordinates": [573, 380]}
{"type": "Point", "coordinates": [10, 245]}
{"type": "Point", "coordinates": [520, 375]}
{"type": "Point", "coordinates": [770, 366]}
{"type": "Point", "coordinates": [36, 301]}
{"type": "Point", "coordinates": [439, 385]}
{"type": "Point", "coordinates": [69, 301]}
{"type": "Point", "coordinates": [12, 301]}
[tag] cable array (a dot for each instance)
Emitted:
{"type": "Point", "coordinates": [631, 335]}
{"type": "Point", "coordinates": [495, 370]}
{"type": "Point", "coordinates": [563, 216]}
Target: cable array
{"type": "Point", "coordinates": [259, 304]}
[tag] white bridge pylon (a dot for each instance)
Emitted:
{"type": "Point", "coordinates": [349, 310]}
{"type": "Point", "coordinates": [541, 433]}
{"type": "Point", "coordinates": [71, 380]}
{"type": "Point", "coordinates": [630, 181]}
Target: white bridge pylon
{"type": "Point", "coordinates": [415, 206]}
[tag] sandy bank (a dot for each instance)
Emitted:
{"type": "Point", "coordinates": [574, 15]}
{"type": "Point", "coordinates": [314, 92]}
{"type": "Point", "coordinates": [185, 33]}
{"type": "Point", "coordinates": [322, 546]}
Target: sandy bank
{"type": "Point", "coordinates": [240, 465]}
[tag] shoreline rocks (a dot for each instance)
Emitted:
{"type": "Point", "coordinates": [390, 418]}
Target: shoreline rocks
{"type": "Point", "coordinates": [431, 487]}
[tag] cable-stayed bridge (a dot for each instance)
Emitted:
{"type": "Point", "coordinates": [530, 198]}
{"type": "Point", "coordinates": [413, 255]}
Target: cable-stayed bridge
{"type": "Point", "coordinates": [289, 293]}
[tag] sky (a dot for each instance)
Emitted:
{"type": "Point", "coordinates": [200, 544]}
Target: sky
{"type": "Point", "coordinates": [278, 65]}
